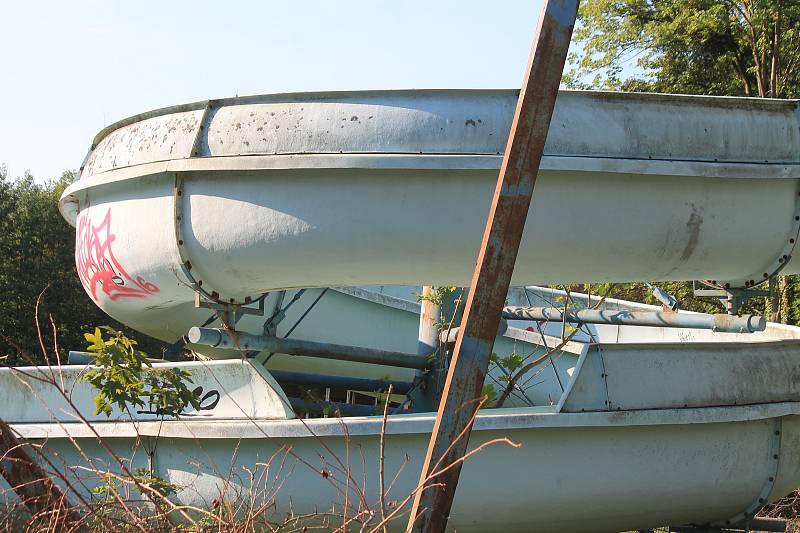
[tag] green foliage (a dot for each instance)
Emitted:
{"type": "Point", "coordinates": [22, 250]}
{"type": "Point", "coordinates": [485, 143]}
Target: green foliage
{"type": "Point", "coordinates": [507, 366]}
{"type": "Point", "coordinates": [37, 252]}
{"type": "Point", "coordinates": [509, 363]}
{"type": "Point", "coordinates": [144, 477]}
{"type": "Point", "coordinates": [715, 47]}
{"type": "Point", "coordinates": [682, 291]}
{"type": "Point", "coordinates": [489, 393]}
{"type": "Point", "coordinates": [124, 377]}
{"type": "Point", "coordinates": [140, 479]}
{"type": "Point", "coordinates": [437, 296]}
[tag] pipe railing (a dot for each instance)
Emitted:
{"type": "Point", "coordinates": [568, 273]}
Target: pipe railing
{"type": "Point", "coordinates": [722, 323]}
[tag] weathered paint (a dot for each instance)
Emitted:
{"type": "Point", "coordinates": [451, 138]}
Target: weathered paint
{"type": "Point", "coordinates": [680, 464]}
{"type": "Point", "coordinates": [378, 210]}
{"type": "Point", "coordinates": [648, 468]}
{"type": "Point", "coordinates": [670, 128]}
{"type": "Point", "coordinates": [710, 374]}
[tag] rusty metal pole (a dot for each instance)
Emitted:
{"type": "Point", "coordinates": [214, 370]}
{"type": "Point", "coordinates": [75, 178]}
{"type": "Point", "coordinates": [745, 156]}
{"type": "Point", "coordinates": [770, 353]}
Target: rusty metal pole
{"type": "Point", "coordinates": [495, 264]}
{"type": "Point", "coordinates": [31, 483]}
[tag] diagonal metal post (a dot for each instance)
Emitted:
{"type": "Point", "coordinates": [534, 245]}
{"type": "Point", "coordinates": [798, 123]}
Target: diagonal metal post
{"type": "Point", "coordinates": [33, 485]}
{"type": "Point", "coordinates": [496, 258]}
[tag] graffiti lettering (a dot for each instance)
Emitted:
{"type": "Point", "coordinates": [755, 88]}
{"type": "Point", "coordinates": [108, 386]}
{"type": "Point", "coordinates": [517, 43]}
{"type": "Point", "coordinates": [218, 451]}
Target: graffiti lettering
{"type": "Point", "coordinates": [98, 268]}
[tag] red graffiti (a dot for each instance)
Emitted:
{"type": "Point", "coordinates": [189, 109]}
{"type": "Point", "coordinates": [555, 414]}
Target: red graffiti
{"type": "Point", "coordinates": [97, 266]}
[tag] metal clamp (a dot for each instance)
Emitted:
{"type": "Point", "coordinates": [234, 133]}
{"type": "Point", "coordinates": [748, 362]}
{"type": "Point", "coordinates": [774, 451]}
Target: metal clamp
{"type": "Point", "coordinates": [733, 297]}
{"type": "Point", "coordinates": [229, 313]}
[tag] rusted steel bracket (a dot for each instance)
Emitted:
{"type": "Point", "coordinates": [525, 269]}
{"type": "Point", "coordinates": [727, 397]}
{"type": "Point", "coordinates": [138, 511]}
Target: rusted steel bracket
{"type": "Point", "coordinates": [31, 483]}
{"type": "Point", "coordinates": [495, 264]}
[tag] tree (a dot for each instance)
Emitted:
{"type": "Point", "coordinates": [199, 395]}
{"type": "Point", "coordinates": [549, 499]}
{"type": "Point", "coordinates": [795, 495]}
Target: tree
{"type": "Point", "coordinates": [715, 47]}
{"type": "Point", "coordinates": [37, 254]}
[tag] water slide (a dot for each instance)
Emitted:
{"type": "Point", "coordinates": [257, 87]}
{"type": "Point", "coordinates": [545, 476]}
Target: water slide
{"type": "Point", "coordinates": [237, 197]}
{"type": "Point", "coordinates": [247, 201]}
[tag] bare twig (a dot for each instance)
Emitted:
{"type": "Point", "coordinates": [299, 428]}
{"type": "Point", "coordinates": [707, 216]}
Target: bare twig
{"type": "Point", "coordinates": [382, 487]}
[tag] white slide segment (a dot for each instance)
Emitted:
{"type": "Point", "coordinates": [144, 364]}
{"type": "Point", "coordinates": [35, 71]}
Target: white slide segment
{"type": "Point", "coordinates": [393, 187]}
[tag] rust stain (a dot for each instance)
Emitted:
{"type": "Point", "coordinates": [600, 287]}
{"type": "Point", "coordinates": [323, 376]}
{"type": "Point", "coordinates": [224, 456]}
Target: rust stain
{"type": "Point", "coordinates": [693, 228]}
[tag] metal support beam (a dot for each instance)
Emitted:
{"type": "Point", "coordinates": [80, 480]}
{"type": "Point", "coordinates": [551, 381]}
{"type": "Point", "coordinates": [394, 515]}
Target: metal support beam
{"type": "Point", "coordinates": [245, 342]}
{"type": "Point", "coordinates": [31, 483]}
{"type": "Point", "coordinates": [720, 322]}
{"type": "Point", "coordinates": [495, 264]}
{"type": "Point", "coordinates": [733, 298]}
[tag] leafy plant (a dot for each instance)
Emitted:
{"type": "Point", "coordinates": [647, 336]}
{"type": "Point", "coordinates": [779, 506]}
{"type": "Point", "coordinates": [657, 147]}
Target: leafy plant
{"type": "Point", "coordinates": [489, 393]}
{"type": "Point", "coordinates": [124, 377]}
{"type": "Point", "coordinates": [141, 477]}
{"type": "Point", "coordinates": [720, 47]}
{"type": "Point", "coordinates": [144, 477]}
{"type": "Point", "coordinates": [509, 363]}
{"type": "Point", "coordinates": [105, 493]}
{"type": "Point", "coordinates": [436, 296]}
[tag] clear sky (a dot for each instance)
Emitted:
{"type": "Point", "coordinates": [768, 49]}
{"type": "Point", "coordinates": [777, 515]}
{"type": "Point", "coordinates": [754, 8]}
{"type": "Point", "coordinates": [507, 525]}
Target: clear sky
{"type": "Point", "coordinates": [68, 68]}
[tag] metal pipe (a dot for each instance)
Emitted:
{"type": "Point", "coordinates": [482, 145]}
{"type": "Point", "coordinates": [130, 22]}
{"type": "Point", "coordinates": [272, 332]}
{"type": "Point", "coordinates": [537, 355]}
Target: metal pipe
{"type": "Point", "coordinates": [342, 382]}
{"type": "Point", "coordinates": [236, 340]}
{"type": "Point", "coordinates": [719, 322]}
